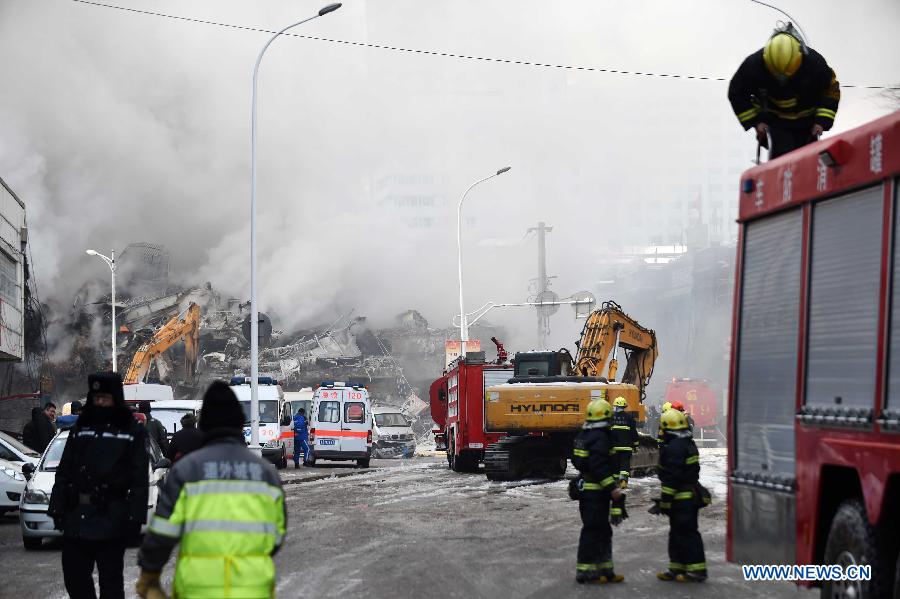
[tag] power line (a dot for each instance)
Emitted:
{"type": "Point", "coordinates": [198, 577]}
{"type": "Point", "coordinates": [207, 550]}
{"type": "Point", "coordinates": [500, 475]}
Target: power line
{"type": "Point", "coordinates": [493, 59]}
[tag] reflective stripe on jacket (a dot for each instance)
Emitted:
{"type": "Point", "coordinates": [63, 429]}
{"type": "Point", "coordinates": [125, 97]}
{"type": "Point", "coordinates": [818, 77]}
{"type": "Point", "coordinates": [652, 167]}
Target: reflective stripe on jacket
{"type": "Point", "coordinates": [592, 455]}
{"type": "Point", "coordinates": [226, 507]}
{"type": "Point", "coordinates": [811, 96]}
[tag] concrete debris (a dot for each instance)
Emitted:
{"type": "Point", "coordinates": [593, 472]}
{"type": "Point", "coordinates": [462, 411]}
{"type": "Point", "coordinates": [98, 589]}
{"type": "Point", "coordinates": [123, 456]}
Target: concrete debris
{"type": "Point", "coordinates": [397, 363]}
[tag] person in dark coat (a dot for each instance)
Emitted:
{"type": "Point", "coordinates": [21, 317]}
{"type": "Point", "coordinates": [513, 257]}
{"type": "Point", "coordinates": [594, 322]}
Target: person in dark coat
{"type": "Point", "coordinates": [99, 499]}
{"type": "Point", "coordinates": [186, 440]}
{"type": "Point", "coordinates": [155, 428]}
{"type": "Point", "coordinates": [40, 430]}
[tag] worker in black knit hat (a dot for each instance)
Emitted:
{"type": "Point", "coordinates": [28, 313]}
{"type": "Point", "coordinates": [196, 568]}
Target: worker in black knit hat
{"type": "Point", "coordinates": [99, 498]}
{"type": "Point", "coordinates": [226, 479]}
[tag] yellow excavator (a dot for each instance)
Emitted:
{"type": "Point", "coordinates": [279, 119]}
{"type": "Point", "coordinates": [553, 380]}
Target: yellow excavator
{"type": "Point", "coordinates": [543, 406]}
{"type": "Point", "coordinates": [185, 326]}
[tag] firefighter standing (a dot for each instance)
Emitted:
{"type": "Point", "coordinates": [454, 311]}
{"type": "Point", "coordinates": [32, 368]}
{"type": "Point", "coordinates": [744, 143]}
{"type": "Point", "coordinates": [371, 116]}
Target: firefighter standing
{"type": "Point", "coordinates": [786, 89]}
{"type": "Point", "coordinates": [625, 443]}
{"type": "Point", "coordinates": [99, 498]}
{"type": "Point", "coordinates": [225, 505]}
{"type": "Point", "coordinates": [682, 497]}
{"type": "Point", "coordinates": [593, 456]}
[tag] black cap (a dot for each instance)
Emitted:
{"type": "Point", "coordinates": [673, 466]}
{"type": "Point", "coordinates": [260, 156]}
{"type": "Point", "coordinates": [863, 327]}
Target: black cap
{"type": "Point", "coordinates": [221, 408]}
{"type": "Point", "coordinates": [144, 407]}
{"type": "Point", "coordinates": [106, 382]}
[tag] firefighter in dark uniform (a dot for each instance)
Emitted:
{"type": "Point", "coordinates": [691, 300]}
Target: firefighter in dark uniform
{"type": "Point", "coordinates": [593, 456]}
{"type": "Point", "coordinates": [99, 498]}
{"type": "Point", "coordinates": [681, 499]}
{"type": "Point", "coordinates": [625, 443]}
{"type": "Point", "coordinates": [786, 89]}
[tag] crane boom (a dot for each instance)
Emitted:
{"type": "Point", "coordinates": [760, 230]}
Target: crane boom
{"type": "Point", "coordinates": [186, 327]}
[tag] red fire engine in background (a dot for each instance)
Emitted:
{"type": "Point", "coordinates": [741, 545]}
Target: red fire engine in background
{"type": "Point", "coordinates": [701, 403]}
{"type": "Point", "coordinates": [457, 407]}
{"type": "Point", "coordinates": [814, 398]}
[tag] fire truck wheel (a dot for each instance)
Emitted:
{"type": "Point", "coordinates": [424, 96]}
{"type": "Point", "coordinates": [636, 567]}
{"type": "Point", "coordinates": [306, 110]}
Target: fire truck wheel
{"type": "Point", "coordinates": [853, 541]}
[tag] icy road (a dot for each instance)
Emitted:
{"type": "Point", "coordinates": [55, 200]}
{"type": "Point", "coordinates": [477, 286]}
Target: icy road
{"type": "Point", "coordinates": [412, 528]}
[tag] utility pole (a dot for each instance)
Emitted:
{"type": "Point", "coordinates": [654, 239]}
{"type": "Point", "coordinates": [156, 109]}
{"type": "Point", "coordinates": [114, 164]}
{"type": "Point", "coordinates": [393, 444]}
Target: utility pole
{"type": "Point", "coordinates": [543, 284]}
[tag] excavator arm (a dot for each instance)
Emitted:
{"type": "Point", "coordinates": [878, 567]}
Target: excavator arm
{"type": "Point", "coordinates": [607, 329]}
{"type": "Point", "coordinates": [185, 328]}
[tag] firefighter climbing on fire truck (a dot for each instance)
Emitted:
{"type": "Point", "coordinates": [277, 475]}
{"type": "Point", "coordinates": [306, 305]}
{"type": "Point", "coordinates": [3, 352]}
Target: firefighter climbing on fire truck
{"type": "Point", "coordinates": [681, 498]}
{"type": "Point", "coordinates": [625, 442]}
{"type": "Point", "coordinates": [593, 456]}
{"type": "Point", "coordinates": [786, 91]}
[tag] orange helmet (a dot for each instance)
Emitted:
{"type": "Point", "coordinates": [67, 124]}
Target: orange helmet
{"type": "Point", "coordinates": [677, 405]}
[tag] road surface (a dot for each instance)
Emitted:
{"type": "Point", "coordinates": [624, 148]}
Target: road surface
{"type": "Point", "coordinates": [412, 528]}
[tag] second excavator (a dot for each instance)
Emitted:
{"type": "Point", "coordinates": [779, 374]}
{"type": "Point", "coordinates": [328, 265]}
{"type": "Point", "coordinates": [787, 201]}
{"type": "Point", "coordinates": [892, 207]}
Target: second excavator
{"type": "Point", "coordinates": [184, 326]}
{"type": "Point", "coordinates": [543, 406]}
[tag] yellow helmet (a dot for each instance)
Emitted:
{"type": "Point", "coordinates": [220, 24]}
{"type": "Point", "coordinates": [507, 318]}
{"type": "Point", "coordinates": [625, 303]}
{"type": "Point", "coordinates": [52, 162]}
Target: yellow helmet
{"type": "Point", "coordinates": [667, 406]}
{"type": "Point", "coordinates": [783, 55]}
{"type": "Point", "coordinates": [620, 402]}
{"type": "Point", "coordinates": [673, 420]}
{"type": "Point", "coordinates": [599, 409]}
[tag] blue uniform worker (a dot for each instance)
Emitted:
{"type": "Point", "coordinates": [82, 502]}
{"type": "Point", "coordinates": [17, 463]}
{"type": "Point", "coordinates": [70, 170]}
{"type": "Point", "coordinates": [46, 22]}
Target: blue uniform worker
{"type": "Point", "coordinates": [301, 436]}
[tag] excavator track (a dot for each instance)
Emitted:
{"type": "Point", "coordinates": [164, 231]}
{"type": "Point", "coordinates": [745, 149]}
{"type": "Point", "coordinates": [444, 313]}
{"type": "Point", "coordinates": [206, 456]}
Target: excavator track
{"type": "Point", "coordinates": [515, 458]}
{"type": "Point", "coordinates": [645, 459]}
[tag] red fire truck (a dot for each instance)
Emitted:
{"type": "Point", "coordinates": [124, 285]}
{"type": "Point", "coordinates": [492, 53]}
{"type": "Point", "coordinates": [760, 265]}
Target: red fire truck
{"type": "Point", "coordinates": [457, 407]}
{"type": "Point", "coordinates": [814, 399]}
{"type": "Point", "coordinates": [701, 403]}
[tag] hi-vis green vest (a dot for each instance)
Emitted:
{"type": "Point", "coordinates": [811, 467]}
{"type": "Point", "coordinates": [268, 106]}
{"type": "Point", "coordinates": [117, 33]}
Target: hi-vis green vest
{"type": "Point", "coordinates": [226, 507]}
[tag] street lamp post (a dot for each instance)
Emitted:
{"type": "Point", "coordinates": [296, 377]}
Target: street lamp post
{"type": "Point", "coordinates": [111, 262]}
{"type": "Point", "coordinates": [463, 323]}
{"type": "Point", "coordinates": [254, 308]}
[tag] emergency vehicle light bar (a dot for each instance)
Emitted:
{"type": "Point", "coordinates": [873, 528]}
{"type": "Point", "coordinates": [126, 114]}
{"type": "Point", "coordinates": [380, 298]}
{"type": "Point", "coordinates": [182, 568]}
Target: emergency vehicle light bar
{"type": "Point", "coordinates": [245, 380]}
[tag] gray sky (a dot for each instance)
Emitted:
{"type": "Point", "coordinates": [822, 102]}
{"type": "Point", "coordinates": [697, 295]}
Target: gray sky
{"type": "Point", "coordinates": [118, 127]}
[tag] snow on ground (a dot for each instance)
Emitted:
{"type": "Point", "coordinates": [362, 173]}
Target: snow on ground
{"type": "Point", "coordinates": [714, 471]}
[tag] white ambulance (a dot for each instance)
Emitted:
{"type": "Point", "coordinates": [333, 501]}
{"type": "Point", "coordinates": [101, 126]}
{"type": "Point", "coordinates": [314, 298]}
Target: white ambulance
{"type": "Point", "coordinates": [276, 424]}
{"type": "Point", "coordinates": [340, 424]}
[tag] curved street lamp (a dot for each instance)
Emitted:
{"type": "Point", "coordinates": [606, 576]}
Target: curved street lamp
{"type": "Point", "coordinates": [463, 323]}
{"type": "Point", "coordinates": [254, 309]}
{"type": "Point", "coordinates": [111, 262]}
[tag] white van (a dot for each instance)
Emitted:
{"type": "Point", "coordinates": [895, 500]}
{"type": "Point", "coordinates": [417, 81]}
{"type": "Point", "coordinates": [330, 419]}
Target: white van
{"type": "Point", "coordinates": [147, 392]}
{"type": "Point", "coordinates": [340, 424]}
{"type": "Point", "coordinates": [276, 424]}
{"type": "Point", "coordinates": [392, 434]}
{"type": "Point", "coordinates": [170, 412]}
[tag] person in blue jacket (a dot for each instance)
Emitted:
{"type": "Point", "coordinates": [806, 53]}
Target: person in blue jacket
{"type": "Point", "coordinates": [301, 436]}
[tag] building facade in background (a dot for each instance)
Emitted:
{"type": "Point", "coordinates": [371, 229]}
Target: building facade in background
{"type": "Point", "coordinates": [13, 237]}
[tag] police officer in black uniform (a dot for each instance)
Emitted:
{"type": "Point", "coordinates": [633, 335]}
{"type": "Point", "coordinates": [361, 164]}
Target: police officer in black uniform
{"type": "Point", "coordinates": [593, 456]}
{"type": "Point", "coordinates": [681, 499]}
{"type": "Point", "coordinates": [99, 499]}
{"type": "Point", "coordinates": [625, 443]}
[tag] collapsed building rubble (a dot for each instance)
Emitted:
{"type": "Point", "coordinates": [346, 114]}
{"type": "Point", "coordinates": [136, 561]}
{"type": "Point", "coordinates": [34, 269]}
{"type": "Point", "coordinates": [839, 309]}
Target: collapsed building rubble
{"type": "Point", "coordinates": [397, 363]}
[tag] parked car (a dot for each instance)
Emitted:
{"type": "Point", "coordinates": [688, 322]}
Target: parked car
{"type": "Point", "coordinates": [36, 525]}
{"type": "Point", "coordinates": [12, 485]}
{"type": "Point", "coordinates": [13, 450]}
{"type": "Point", "coordinates": [392, 434]}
